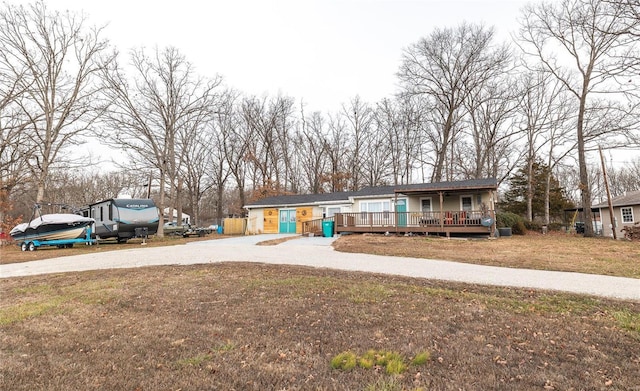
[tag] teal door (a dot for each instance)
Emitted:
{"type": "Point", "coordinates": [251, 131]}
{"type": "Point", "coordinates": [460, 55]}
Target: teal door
{"type": "Point", "coordinates": [401, 209]}
{"type": "Point", "coordinates": [288, 221]}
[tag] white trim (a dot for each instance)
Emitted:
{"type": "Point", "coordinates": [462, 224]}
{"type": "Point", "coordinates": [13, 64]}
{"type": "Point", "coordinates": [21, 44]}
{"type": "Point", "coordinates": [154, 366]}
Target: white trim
{"type": "Point", "coordinates": [325, 210]}
{"type": "Point", "coordinates": [622, 215]}
{"type": "Point", "coordinates": [466, 196]}
{"type": "Point", "coordinates": [430, 204]}
{"type": "Point", "coordinates": [382, 201]}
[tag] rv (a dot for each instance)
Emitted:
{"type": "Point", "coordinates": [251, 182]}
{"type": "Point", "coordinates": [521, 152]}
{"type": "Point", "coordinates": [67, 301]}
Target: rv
{"type": "Point", "coordinates": [123, 218]}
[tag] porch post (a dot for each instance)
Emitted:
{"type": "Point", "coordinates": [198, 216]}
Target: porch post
{"type": "Point", "coordinates": [493, 215]}
{"type": "Point", "coordinates": [395, 210]}
{"type": "Point", "coordinates": [441, 212]}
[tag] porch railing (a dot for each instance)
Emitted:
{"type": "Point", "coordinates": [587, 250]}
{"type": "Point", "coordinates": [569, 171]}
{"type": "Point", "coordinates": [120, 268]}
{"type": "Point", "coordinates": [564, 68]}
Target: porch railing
{"type": "Point", "coordinates": [314, 226]}
{"type": "Point", "coordinates": [410, 219]}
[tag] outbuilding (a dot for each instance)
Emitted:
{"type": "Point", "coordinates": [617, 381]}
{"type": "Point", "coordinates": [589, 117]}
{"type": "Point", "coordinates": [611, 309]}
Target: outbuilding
{"type": "Point", "coordinates": [626, 212]}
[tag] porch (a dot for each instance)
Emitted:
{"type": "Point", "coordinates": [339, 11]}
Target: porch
{"type": "Point", "coordinates": [435, 223]}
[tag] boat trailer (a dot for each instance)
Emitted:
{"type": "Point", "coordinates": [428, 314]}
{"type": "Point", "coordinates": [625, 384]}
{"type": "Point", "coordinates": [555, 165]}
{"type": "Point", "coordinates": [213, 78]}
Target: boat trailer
{"type": "Point", "coordinates": [32, 245]}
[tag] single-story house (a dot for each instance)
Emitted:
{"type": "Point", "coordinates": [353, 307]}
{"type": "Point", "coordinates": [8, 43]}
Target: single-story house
{"type": "Point", "coordinates": [172, 215]}
{"type": "Point", "coordinates": [457, 207]}
{"type": "Point", "coordinates": [626, 212]}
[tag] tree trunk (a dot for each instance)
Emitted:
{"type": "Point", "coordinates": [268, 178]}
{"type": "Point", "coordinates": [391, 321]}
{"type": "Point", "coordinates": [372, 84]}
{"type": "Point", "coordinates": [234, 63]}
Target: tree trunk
{"type": "Point", "coordinates": [160, 232]}
{"type": "Point", "coordinates": [219, 193]}
{"type": "Point", "coordinates": [530, 189]}
{"type": "Point", "coordinates": [585, 193]}
{"type": "Point", "coordinates": [178, 203]}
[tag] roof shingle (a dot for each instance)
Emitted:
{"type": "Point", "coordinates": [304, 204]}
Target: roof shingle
{"type": "Point", "coordinates": [628, 199]}
{"type": "Point", "coordinates": [306, 199]}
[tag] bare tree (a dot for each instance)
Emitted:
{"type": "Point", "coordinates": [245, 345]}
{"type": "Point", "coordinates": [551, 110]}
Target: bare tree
{"type": "Point", "coordinates": [235, 141]}
{"type": "Point", "coordinates": [375, 164]}
{"type": "Point", "coordinates": [545, 111]}
{"type": "Point", "coordinates": [447, 66]}
{"type": "Point", "coordinates": [55, 60]}
{"type": "Point", "coordinates": [312, 151]}
{"type": "Point", "coordinates": [490, 118]}
{"type": "Point", "coordinates": [400, 121]}
{"type": "Point", "coordinates": [359, 117]}
{"type": "Point", "coordinates": [586, 45]}
{"type": "Point", "coordinates": [153, 114]}
{"type": "Point", "coordinates": [625, 178]}
{"type": "Point", "coordinates": [217, 160]}
{"type": "Point", "coordinates": [78, 189]}
{"type": "Point", "coordinates": [338, 148]}
{"type": "Point", "coordinates": [14, 148]}
{"type": "Point", "coordinates": [267, 122]}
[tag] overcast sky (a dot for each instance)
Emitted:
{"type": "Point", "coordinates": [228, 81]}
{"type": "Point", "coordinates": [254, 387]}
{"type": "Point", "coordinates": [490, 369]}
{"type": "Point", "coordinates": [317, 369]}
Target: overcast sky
{"type": "Point", "coordinates": [323, 52]}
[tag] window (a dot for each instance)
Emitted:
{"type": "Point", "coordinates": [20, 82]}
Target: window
{"type": "Point", "coordinates": [627, 214]}
{"type": "Point", "coordinates": [375, 206]}
{"type": "Point", "coordinates": [332, 211]}
{"type": "Point", "coordinates": [466, 203]}
{"type": "Point", "coordinates": [425, 205]}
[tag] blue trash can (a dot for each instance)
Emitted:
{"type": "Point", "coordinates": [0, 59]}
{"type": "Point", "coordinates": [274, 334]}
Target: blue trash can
{"type": "Point", "coordinates": [220, 229]}
{"type": "Point", "coordinates": [327, 229]}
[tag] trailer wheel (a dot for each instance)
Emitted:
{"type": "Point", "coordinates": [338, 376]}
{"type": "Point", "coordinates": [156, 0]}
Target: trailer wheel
{"type": "Point", "coordinates": [32, 247]}
{"type": "Point", "coordinates": [23, 246]}
{"type": "Point", "coordinates": [69, 245]}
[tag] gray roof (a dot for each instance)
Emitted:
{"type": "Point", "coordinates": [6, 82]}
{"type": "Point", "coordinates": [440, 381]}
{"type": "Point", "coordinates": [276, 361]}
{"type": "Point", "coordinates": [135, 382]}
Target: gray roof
{"type": "Point", "coordinates": [371, 191]}
{"type": "Point", "coordinates": [628, 199]}
{"type": "Point", "coordinates": [470, 184]}
{"type": "Point", "coordinates": [302, 199]}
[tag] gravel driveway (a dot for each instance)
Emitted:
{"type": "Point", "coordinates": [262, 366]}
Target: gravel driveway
{"type": "Point", "coordinates": [322, 255]}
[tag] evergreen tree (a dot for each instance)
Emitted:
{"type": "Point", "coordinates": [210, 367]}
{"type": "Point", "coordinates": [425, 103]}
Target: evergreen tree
{"type": "Point", "coordinates": [515, 199]}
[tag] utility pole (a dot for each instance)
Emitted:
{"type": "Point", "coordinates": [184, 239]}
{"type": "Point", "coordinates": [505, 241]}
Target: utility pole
{"type": "Point", "coordinates": [606, 185]}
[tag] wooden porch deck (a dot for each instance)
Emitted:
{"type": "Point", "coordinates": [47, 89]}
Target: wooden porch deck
{"type": "Point", "coordinates": [446, 222]}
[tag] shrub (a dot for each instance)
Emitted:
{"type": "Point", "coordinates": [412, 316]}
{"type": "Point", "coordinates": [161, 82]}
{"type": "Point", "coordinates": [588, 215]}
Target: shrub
{"type": "Point", "coordinates": [519, 228]}
{"type": "Point", "coordinates": [421, 358]}
{"type": "Point", "coordinates": [396, 366]}
{"type": "Point", "coordinates": [393, 363]}
{"type": "Point", "coordinates": [533, 225]}
{"type": "Point", "coordinates": [368, 360]}
{"type": "Point", "coordinates": [345, 361]}
{"type": "Point", "coordinates": [512, 220]}
{"type": "Point", "coordinates": [556, 226]}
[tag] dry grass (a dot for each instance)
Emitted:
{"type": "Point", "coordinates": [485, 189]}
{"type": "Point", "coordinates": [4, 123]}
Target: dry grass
{"type": "Point", "coordinates": [256, 327]}
{"type": "Point", "coordinates": [10, 253]}
{"type": "Point", "coordinates": [275, 242]}
{"type": "Point", "coordinates": [545, 252]}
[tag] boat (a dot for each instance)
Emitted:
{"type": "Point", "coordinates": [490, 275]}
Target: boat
{"type": "Point", "coordinates": [52, 227]}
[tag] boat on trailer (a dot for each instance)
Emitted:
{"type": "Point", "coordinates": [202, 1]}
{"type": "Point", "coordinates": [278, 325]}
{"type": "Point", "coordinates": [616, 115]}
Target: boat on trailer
{"type": "Point", "coordinates": [57, 229]}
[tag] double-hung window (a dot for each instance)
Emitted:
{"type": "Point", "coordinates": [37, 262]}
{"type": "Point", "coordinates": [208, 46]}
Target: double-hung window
{"type": "Point", "coordinates": [374, 207]}
{"type": "Point", "coordinates": [425, 204]}
{"type": "Point", "coordinates": [466, 203]}
{"type": "Point", "coordinates": [627, 214]}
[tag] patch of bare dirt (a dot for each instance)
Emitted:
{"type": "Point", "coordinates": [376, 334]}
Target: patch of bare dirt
{"type": "Point", "coordinates": [275, 242]}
